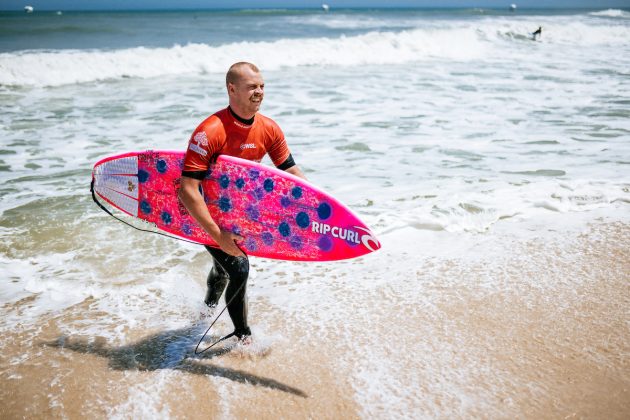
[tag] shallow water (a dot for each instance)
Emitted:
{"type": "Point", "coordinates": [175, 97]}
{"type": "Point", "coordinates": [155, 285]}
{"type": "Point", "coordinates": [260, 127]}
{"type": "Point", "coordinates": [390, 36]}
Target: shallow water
{"type": "Point", "coordinates": [492, 168]}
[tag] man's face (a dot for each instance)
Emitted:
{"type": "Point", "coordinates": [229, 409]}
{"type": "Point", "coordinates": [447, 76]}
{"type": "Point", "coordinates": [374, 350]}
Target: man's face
{"type": "Point", "coordinates": [247, 93]}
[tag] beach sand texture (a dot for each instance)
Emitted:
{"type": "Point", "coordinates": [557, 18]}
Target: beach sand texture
{"type": "Point", "coordinates": [542, 333]}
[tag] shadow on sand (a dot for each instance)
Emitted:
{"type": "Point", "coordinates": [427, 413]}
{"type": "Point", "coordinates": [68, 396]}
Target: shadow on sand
{"type": "Point", "coordinates": [167, 350]}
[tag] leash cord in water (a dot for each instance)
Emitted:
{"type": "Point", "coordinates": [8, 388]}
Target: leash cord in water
{"type": "Point", "coordinates": [197, 352]}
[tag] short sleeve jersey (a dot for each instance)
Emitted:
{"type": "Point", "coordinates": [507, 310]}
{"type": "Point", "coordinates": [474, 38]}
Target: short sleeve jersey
{"type": "Point", "coordinates": [222, 133]}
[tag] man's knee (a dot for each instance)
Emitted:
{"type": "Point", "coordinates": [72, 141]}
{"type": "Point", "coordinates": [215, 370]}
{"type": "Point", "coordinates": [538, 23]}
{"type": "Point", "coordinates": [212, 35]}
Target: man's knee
{"type": "Point", "coordinates": [239, 270]}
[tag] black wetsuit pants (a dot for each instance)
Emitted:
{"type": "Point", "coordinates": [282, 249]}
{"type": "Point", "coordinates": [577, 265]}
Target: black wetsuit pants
{"type": "Point", "coordinates": [233, 272]}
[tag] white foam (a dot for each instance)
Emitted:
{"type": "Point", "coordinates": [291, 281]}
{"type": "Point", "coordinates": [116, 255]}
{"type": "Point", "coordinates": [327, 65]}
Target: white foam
{"type": "Point", "coordinates": [614, 13]}
{"type": "Point", "coordinates": [145, 399]}
{"type": "Point", "coordinates": [14, 271]}
{"type": "Point", "coordinates": [455, 40]}
{"type": "Point", "coordinates": [54, 68]}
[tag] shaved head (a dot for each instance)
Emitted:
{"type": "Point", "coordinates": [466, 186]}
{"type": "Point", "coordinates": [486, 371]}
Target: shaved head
{"type": "Point", "coordinates": [245, 87]}
{"type": "Point", "coordinates": [234, 73]}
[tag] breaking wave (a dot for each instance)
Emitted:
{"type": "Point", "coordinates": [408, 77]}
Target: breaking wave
{"type": "Point", "coordinates": [455, 41]}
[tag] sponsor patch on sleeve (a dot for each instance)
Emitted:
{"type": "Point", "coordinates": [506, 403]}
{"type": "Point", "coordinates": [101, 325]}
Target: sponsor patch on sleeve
{"type": "Point", "coordinates": [201, 138]}
{"type": "Point", "coordinates": [197, 149]}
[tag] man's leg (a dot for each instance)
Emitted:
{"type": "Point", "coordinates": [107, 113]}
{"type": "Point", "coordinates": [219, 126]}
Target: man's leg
{"type": "Point", "coordinates": [237, 270]}
{"type": "Point", "coordinates": [216, 282]}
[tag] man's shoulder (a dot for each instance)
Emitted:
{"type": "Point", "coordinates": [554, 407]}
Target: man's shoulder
{"type": "Point", "coordinates": [269, 125]}
{"type": "Point", "coordinates": [213, 122]}
{"type": "Point", "coordinates": [266, 120]}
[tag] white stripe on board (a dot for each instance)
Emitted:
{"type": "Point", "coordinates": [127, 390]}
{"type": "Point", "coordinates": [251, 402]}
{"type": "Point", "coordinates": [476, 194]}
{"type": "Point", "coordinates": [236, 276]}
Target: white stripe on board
{"type": "Point", "coordinates": [122, 201]}
{"type": "Point", "coordinates": [126, 165]}
{"type": "Point", "coordinates": [124, 184]}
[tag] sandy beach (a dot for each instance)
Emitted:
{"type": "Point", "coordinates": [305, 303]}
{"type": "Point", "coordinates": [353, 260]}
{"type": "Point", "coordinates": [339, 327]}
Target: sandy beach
{"type": "Point", "coordinates": [552, 342]}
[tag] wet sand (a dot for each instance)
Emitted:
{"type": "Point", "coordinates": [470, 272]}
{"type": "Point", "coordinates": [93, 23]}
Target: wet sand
{"type": "Point", "coordinates": [540, 331]}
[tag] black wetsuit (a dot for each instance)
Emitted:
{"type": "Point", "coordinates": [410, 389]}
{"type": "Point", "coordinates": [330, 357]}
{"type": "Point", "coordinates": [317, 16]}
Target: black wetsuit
{"type": "Point", "coordinates": [233, 272]}
{"type": "Point", "coordinates": [537, 33]}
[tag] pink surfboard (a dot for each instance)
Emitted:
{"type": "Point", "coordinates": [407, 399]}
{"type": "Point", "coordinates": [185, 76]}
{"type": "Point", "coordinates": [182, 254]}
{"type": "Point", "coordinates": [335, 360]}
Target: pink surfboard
{"type": "Point", "coordinates": [279, 215]}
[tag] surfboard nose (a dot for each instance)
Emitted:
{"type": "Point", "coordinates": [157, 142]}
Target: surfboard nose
{"type": "Point", "coordinates": [368, 240]}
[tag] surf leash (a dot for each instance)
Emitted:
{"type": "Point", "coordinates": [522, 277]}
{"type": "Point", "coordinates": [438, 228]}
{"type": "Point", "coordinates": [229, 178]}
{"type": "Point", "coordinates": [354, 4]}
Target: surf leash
{"type": "Point", "coordinates": [232, 334]}
{"type": "Point", "coordinates": [106, 210]}
{"type": "Point", "coordinates": [197, 352]}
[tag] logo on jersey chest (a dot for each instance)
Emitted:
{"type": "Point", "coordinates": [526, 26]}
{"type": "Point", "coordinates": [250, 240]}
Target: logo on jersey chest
{"type": "Point", "coordinates": [248, 146]}
{"type": "Point", "coordinates": [241, 125]}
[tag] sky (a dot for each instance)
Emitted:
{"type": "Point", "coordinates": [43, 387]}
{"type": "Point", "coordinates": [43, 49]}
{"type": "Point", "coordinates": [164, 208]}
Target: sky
{"type": "Point", "coordinates": [210, 4]}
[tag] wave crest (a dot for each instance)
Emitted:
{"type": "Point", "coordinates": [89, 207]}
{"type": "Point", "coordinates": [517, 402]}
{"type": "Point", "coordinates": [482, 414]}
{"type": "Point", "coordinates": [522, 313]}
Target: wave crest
{"type": "Point", "coordinates": [614, 13]}
{"type": "Point", "coordinates": [457, 41]}
{"type": "Point", "coordinates": [53, 68]}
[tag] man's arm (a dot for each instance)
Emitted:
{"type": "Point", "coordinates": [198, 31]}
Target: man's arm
{"type": "Point", "coordinates": [193, 201]}
{"type": "Point", "coordinates": [295, 170]}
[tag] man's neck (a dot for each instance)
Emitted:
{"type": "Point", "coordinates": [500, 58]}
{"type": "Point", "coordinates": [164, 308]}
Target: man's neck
{"type": "Point", "coordinates": [241, 119]}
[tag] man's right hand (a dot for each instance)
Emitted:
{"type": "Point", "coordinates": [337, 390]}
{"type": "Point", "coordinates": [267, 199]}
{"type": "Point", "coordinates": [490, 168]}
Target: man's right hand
{"type": "Point", "coordinates": [193, 201]}
{"type": "Point", "coordinates": [227, 242]}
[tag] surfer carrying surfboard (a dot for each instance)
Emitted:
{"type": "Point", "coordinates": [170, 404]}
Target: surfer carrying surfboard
{"type": "Point", "coordinates": [238, 130]}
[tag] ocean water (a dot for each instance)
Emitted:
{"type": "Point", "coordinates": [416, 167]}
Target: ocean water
{"type": "Point", "coordinates": [452, 133]}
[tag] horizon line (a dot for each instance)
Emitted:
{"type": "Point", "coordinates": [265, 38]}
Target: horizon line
{"type": "Point", "coordinates": [205, 9]}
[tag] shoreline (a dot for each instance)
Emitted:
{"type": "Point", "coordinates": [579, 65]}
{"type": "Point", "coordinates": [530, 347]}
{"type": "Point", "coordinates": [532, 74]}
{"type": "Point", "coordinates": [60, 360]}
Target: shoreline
{"type": "Point", "coordinates": [459, 338]}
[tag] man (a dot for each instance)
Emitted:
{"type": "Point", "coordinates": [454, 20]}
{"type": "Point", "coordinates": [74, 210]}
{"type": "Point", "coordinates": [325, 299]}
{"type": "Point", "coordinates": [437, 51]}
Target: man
{"type": "Point", "coordinates": [537, 33]}
{"type": "Point", "coordinates": [240, 131]}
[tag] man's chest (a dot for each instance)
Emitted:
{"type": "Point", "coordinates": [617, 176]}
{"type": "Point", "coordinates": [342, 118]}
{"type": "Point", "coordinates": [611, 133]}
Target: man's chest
{"type": "Point", "coordinates": [244, 144]}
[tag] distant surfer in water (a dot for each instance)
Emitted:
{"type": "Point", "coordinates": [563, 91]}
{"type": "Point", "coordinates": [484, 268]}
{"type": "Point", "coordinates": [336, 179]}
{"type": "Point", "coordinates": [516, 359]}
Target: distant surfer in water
{"type": "Point", "coordinates": [537, 33]}
{"type": "Point", "coordinates": [238, 130]}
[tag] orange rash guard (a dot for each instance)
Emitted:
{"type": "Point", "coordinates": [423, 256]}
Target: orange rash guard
{"type": "Point", "coordinates": [222, 133]}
